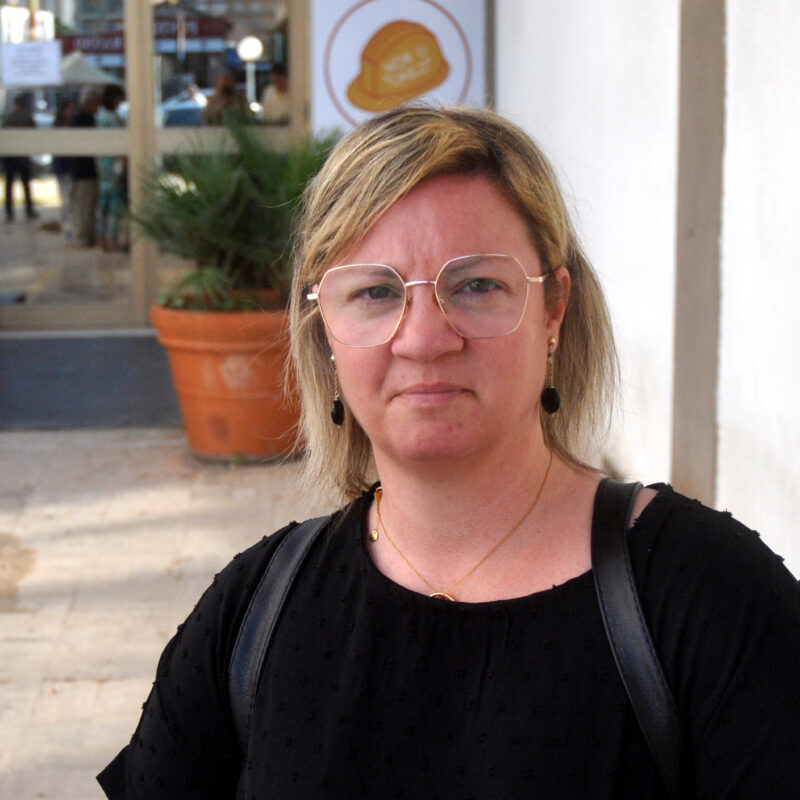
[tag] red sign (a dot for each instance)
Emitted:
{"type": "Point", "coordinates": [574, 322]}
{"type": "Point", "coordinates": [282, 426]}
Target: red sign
{"type": "Point", "coordinates": [106, 42]}
{"type": "Point", "coordinates": [196, 27]}
{"type": "Point", "coordinates": [164, 28]}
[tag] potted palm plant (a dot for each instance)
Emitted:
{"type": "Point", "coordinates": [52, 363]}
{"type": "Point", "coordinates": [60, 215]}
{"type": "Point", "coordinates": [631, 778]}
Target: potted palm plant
{"type": "Point", "coordinates": [224, 323]}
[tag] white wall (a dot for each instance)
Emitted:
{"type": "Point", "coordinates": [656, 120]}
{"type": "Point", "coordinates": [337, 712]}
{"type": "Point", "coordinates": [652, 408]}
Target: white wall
{"type": "Point", "coordinates": [759, 390]}
{"type": "Point", "coordinates": [596, 86]}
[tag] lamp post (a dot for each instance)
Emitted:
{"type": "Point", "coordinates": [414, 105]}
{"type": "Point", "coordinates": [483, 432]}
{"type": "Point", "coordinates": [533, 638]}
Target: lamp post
{"type": "Point", "coordinates": [250, 49]}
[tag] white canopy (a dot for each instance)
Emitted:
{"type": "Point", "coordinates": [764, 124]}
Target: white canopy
{"type": "Point", "coordinates": [76, 69]}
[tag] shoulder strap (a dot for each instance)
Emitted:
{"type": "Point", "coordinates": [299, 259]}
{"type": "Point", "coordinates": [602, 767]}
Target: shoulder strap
{"type": "Point", "coordinates": [625, 626]}
{"type": "Point", "coordinates": [258, 624]}
{"type": "Point", "coordinates": [627, 631]}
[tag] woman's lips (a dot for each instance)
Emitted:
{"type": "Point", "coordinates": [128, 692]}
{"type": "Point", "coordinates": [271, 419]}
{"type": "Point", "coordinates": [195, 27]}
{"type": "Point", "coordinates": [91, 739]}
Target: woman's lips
{"type": "Point", "coordinates": [430, 393]}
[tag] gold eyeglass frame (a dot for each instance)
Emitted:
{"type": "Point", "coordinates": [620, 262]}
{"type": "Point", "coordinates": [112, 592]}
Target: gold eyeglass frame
{"type": "Point", "coordinates": [407, 299]}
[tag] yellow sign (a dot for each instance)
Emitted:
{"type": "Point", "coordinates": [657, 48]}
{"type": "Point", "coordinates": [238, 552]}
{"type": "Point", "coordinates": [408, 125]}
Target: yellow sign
{"type": "Point", "coordinates": [374, 55]}
{"type": "Point", "coordinates": [402, 60]}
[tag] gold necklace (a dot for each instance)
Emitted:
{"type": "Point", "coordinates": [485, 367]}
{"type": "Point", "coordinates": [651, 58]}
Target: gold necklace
{"type": "Point", "coordinates": [448, 593]}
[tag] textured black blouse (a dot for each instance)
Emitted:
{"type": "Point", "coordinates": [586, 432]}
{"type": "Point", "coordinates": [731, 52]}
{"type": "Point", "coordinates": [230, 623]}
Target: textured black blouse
{"type": "Point", "coordinates": [374, 691]}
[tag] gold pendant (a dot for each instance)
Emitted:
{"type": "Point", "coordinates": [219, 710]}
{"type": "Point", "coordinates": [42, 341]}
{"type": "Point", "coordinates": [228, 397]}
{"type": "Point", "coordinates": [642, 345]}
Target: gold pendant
{"type": "Point", "coordinates": [443, 596]}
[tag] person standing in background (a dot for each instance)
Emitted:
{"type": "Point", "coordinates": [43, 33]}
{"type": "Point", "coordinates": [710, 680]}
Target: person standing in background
{"type": "Point", "coordinates": [84, 175]}
{"type": "Point", "coordinates": [226, 104]}
{"type": "Point", "coordinates": [112, 172]}
{"type": "Point", "coordinates": [275, 99]}
{"type": "Point", "coordinates": [62, 169]}
{"type": "Point", "coordinates": [20, 166]}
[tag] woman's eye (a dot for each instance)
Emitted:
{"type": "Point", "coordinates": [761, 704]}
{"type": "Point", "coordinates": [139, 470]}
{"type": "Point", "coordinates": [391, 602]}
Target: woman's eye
{"type": "Point", "coordinates": [478, 286]}
{"type": "Point", "coordinates": [377, 292]}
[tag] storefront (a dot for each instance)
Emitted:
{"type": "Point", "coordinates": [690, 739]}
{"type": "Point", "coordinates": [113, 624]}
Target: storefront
{"type": "Point", "coordinates": [46, 281]}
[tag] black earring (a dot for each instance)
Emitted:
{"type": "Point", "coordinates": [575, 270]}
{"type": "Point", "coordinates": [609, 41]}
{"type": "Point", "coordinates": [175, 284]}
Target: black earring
{"type": "Point", "coordinates": [551, 399]}
{"type": "Point", "coordinates": [337, 406]}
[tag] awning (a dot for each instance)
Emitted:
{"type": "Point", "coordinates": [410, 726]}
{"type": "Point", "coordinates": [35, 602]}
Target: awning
{"type": "Point", "coordinates": [77, 70]}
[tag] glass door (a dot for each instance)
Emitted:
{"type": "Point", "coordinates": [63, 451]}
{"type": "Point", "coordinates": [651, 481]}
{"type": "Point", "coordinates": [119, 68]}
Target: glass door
{"type": "Point", "coordinates": [135, 79]}
{"type": "Point", "coordinates": [65, 254]}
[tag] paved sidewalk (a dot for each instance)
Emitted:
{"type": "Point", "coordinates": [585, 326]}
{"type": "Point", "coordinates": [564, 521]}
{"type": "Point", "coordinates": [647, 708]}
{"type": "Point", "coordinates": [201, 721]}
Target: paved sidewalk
{"type": "Point", "coordinates": [107, 538]}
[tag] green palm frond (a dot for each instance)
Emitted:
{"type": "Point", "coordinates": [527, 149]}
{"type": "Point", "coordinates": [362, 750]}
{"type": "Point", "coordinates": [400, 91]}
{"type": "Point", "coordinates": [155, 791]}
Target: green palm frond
{"type": "Point", "coordinates": [231, 213]}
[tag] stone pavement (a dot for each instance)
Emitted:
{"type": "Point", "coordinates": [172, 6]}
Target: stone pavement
{"type": "Point", "coordinates": [107, 539]}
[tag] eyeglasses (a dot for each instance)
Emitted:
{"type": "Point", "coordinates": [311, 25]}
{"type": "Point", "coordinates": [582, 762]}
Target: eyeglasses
{"type": "Point", "coordinates": [481, 296]}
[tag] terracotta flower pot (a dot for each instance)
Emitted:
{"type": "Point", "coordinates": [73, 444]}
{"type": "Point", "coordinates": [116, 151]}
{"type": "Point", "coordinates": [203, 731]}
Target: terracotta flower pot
{"type": "Point", "coordinates": [228, 371]}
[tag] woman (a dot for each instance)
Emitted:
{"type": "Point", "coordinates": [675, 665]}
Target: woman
{"type": "Point", "coordinates": [62, 169]}
{"type": "Point", "coordinates": [19, 166]}
{"type": "Point", "coordinates": [443, 638]}
{"type": "Point", "coordinates": [112, 174]}
{"type": "Point", "coordinates": [227, 104]}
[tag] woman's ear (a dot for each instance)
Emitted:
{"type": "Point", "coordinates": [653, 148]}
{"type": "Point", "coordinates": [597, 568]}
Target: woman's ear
{"type": "Point", "coordinates": [557, 301]}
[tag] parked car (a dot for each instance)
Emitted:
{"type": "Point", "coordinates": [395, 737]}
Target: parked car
{"type": "Point", "coordinates": [183, 109]}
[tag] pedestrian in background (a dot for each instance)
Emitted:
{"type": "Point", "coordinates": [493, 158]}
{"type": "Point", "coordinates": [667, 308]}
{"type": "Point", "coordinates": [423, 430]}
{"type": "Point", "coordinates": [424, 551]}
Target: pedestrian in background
{"type": "Point", "coordinates": [275, 99]}
{"type": "Point", "coordinates": [62, 168]}
{"type": "Point", "coordinates": [84, 174]}
{"type": "Point", "coordinates": [19, 166]}
{"type": "Point", "coordinates": [112, 174]}
{"type": "Point", "coordinates": [227, 102]}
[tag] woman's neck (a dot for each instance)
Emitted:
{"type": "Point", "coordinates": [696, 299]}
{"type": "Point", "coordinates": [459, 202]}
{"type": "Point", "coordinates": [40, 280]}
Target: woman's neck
{"type": "Point", "coordinates": [444, 520]}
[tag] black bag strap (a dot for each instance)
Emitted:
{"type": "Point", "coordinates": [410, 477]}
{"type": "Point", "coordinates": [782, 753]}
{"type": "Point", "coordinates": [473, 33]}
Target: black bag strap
{"type": "Point", "coordinates": [627, 631]}
{"type": "Point", "coordinates": [258, 624]}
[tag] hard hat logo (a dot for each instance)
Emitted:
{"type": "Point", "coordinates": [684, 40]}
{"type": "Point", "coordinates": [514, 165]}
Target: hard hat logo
{"type": "Point", "coordinates": [402, 60]}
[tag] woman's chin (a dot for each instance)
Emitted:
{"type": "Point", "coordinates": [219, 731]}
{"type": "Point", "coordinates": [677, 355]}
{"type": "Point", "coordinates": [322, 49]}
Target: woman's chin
{"type": "Point", "coordinates": [434, 444]}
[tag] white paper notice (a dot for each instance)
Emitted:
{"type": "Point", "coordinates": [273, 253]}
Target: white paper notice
{"type": "Point", "coordinates": [31, 64]}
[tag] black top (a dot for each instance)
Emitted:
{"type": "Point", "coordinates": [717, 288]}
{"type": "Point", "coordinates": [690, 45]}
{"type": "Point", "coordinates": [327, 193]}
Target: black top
{"type": "Point", "coordinates": [19, 118]}
{"type": "Point", "coordinates": [374, 691]}
{"type": "Point", "coordinates": [82, 167]}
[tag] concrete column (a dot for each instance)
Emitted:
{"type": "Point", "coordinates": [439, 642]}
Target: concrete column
{"type": "Point", "coordinates": [699, 226]}
{"type": "Point", "coordinates": [139, 69]}
{"type": "Point", "coordinates": [490, 44]}
{"type": "Point", "coordinates": [299, 68]}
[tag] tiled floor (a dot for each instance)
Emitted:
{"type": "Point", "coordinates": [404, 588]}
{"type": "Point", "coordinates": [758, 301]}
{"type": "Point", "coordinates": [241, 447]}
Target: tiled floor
{"type": "Point", "coordinates": [40, 265]}
{"type": "Point", "coordinates": [107, 538]}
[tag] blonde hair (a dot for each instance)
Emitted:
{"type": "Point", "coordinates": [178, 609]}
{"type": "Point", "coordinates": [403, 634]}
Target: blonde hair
{"type": "Point", "coordinates": [375, 165]}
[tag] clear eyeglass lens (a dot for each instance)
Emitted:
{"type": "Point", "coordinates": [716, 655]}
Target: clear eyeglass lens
{"type": "Point", "coordinates": [362, 304]}
{"type": "Point", "coordinates": [482, 297]}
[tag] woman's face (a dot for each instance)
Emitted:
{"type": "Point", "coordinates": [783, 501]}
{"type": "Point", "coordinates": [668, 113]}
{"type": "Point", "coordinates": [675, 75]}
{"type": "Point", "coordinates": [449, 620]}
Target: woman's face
{"type": "Point", "coordinates": [429, 395]}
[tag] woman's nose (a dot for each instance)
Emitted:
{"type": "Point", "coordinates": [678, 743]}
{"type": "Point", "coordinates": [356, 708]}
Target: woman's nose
{"type": "Point", "coordinates": [424, 332]}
